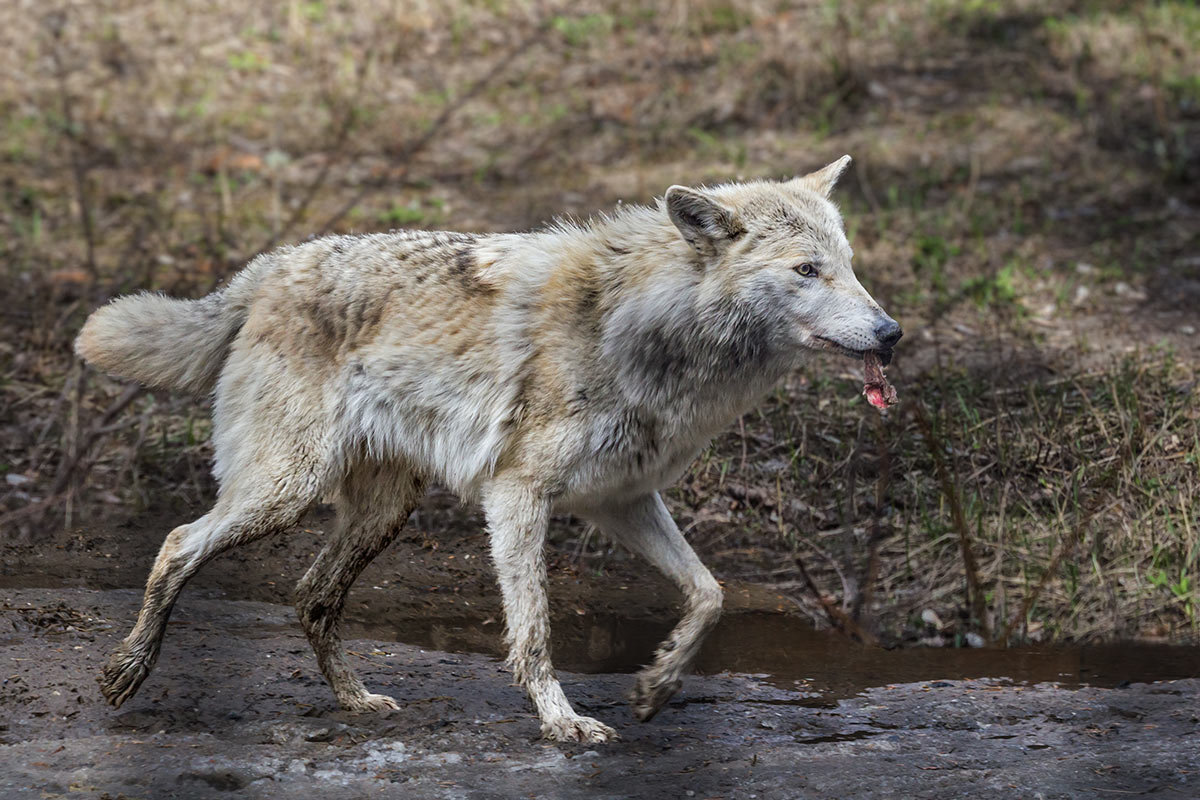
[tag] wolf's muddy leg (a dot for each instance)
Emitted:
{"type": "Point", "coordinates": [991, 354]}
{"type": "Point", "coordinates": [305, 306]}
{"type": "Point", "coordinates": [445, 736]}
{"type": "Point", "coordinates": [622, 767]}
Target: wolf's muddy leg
{"type": "Point", "coordinates": [517, 519]}
{"type": "Point", "coordinates": [232, 521]}
{"type": "Point", "coordinates": [646, 528]}
{"type": "Point", "coordinates": [374, 503]}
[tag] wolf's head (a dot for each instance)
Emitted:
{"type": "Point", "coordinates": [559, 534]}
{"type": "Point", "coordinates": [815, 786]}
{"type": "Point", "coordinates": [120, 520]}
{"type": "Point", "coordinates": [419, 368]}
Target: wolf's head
{"type": "Point", "coordinates": [778, 252]}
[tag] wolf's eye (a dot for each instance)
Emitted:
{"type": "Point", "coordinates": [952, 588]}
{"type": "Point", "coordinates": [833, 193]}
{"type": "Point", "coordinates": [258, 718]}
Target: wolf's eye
{"type": "Point", "coordinates": [806, 270]}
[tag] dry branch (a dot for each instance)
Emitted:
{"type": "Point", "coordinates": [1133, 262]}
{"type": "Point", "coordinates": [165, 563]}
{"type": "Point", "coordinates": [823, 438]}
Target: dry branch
{"type": "Point", "coordinates": [975, 598]}
{"type": "Point", "coordinates": [410, 150]}
{"type": "Point", "coordinates": [54, 23]}
{"type": "Point", "coordinates": [75, 458]}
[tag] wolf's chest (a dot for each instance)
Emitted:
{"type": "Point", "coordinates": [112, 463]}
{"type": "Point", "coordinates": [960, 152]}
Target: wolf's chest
{"type": "Point", "coordinates": [634, 451]}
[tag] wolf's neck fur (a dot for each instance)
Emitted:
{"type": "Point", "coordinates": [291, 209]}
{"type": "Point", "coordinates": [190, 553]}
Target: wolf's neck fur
{"type": "Point", "coordinates": [673, 337]}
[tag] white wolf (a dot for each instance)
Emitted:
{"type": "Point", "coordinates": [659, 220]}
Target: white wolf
{"type": "Point", "coordinates": [576, 368]}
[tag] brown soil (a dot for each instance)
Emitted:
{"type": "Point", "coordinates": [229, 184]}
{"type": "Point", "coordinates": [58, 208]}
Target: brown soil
{"type": "Point", "coordinates": [436, 575]}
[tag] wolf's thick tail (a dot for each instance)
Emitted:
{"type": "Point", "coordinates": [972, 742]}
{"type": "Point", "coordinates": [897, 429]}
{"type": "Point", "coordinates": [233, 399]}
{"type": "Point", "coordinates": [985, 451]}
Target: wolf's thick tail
{"type": "Point", "coordinates": [168, 343]}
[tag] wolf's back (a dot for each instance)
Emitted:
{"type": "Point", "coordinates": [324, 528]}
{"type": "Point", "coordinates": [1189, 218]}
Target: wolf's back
{"type": "Point", "coordinates": [168, 343]}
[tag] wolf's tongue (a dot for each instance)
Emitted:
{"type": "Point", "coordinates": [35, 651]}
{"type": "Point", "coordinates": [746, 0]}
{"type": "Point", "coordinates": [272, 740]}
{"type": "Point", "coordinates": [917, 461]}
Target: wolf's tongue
{"type": "Point", "coordinates": [876, 388]}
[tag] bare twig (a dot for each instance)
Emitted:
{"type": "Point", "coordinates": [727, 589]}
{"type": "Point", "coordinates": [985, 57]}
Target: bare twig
{"type": "Point", "coordinates": [879, 531]}
{"type": "Point", "coordinates": [72, 461]}
{"type": "Point", "coordinates": [838, 618]}
{"type": "Point", "coordinates": [54, 24]}
{"type": "Point", "coordinates": [1064, 548]}
{"type": "Point", "coordinates": [975, 599]}
{"type": "Point", "coordinates": [70, 447]}
{"type": "Point", "coordinates": [75, 454]}
{"type": "Point", "coordinates": [31, 510]}
{"type": "Point", "coordinates": [344, 128]}
{"type": "Point", "coordinates": [406, 153]}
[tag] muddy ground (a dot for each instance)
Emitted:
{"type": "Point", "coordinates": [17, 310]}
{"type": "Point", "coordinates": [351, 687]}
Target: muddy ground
{"type": "Point", "coordinates": [236, 706]}
{"type": "Point", "coordinates": [1023, 198]}
{"type": "Point", "coordinates": [434, 586]}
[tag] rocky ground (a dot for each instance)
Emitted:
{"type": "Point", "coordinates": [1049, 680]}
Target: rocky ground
{"type": "Point", "coordinates": [237, 708]}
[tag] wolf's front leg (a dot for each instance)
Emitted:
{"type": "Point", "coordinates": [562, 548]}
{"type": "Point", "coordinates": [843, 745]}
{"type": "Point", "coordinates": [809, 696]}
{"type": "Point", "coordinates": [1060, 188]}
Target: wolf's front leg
{"type": "Point", "coordinates": [517, 518]}
{"type": "Point", "coordinates": [645, 527]}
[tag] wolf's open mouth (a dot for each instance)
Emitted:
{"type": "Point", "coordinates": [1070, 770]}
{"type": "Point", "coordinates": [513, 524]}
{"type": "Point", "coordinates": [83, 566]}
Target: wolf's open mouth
{"type": "Point", "coordinates": [876, 388]}
{"type": "Point", "coordinates": [885, 356]}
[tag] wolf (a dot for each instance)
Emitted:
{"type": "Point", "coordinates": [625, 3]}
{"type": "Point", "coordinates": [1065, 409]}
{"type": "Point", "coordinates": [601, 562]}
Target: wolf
{"type": "Point", "coordinates": [578, 368]}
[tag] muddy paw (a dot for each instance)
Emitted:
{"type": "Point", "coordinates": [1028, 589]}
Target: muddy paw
{"type": "Point", "coordinates": [366, 703]}
{"type": "Point", "coordinates": [651, 693]}
{"type": "Point", "coordinates": [122, 676]}
{"type": "Point", "coordinates": [578, 729]}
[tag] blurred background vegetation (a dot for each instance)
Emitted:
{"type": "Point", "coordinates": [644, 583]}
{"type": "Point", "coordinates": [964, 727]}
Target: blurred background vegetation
{"type": "Point", "coordinates": [1025, 198]}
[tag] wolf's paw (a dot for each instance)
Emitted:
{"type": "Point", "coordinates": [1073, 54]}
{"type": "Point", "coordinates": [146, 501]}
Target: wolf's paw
{"type": "Point", "coordinates": [650, 693]}
{"type": "Point", "coordinates": [578, 729]}
{"type": "Point", "coordinates": [367, 702]}
{"type": "Point", "coordinates": [122, 675]}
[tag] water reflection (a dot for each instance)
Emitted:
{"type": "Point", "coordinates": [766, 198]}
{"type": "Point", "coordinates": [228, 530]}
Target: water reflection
{"type": "Point", "coordinates": [789, 653]}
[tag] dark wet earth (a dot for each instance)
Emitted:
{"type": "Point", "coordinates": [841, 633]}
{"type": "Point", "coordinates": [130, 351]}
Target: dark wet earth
{"type": "Point", "coordinates": [236, 708]}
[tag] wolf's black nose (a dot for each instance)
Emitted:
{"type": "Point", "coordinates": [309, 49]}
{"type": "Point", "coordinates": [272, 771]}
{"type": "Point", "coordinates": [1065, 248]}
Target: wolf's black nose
{"type": "Point", "coordinates": [888, 333]}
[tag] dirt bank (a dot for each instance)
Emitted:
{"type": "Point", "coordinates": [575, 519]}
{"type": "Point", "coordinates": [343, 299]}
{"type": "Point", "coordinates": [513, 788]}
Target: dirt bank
{"type": "Point", "coordinates": [237, 708]}
{"type": "Point", "coordinates": [434, 586]}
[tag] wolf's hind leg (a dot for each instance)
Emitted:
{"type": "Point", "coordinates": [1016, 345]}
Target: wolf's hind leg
{"type": "Point", "coordinates": [517, 520]}
{"type": "Point", "coordinates": [645, 527]}
{"type": "Point", "coordinates": [233, 521]}
{"type": "Point", "coordinates": [373, 505]}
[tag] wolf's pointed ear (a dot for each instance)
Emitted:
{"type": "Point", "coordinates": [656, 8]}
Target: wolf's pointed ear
{"type": "Point", "coordinates": [823, 180]}
{"type": "Point", "coordinates": [707, 225]}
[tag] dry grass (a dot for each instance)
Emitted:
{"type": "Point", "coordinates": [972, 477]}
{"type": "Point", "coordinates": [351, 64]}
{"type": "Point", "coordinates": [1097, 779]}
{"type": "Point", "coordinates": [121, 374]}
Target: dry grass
{"type": "Point", "coordinates": [1076, 499]}
{"type": "Point", "coordinates": [1023, 198]}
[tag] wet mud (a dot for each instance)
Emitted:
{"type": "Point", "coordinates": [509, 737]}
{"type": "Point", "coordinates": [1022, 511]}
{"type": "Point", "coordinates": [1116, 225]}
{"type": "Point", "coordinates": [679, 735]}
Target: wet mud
{"type": "Point", "coordinates": [237, 708]}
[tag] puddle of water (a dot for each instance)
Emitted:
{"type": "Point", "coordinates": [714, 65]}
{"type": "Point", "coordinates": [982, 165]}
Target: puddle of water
{"type": "Point", "coordinates": [853, 736]}
{"type": "Point", "coordinates": [792, 655]}
{"type": "Point", "coordinates": [787, 652]}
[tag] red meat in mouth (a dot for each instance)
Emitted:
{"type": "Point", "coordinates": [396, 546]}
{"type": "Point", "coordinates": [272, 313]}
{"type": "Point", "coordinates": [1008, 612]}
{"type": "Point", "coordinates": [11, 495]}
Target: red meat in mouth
{"type": "Point", "coordinates": [876, 388]}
